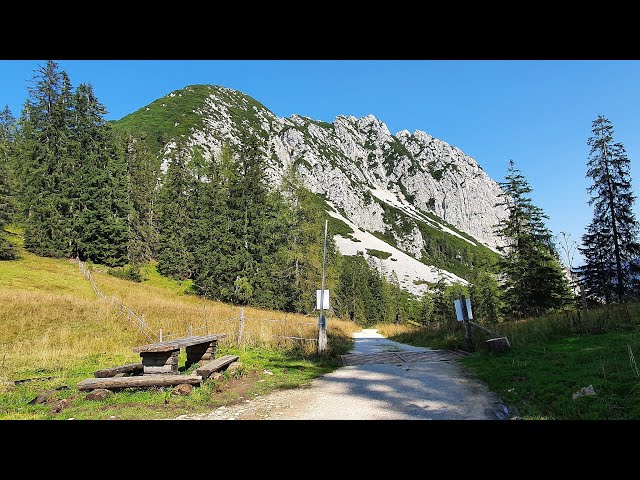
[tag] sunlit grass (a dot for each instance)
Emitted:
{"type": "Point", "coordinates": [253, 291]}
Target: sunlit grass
{"type": "Point", "coordinates": [552, 357]}
{"type": "Point", "coordinates": [52, 324]}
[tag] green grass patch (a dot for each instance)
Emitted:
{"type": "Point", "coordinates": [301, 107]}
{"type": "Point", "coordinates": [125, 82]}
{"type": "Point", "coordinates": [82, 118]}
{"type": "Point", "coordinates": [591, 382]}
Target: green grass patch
{"type": "Point", "coordinates": [541, 378]}
{"type": "Point", "coordinates": [551, 358]}
{"type": "Point", "coordinates": [378, 253]}
{"type": "Point", "coordinates": [290, 368]}
{"type": "Point", "coordinates": [152, 277]}
{"type": "Point", "coordinates": [167, 117]}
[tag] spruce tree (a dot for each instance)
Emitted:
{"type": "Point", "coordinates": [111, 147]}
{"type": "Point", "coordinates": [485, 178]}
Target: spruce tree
{"type": "Point", "coordinates": [97, 184]}
{"type": "Point", "coordinates": [143, 171]}
{"type": "Point", "coordinates": [176, 222]}
{"type": "Point", "coordinates": [248, 197]}
{"type": "Point", "coordinates": [534, 281]}
{"type": "Point", "coordinates": [485, 296]}
{"type": "Point", "coordinates": [610, 245]}
{"type": "Point", "coordinates": [42, 148]}
{"type": "Point", "coordinates": [7, 195]}
{"type": "Point", "coordinates": [301, 249]}
{"type": "Point", "coordinates": [214, 268]}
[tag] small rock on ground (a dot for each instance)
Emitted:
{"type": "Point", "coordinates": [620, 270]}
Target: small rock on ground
{"type": "Point", "coordinates": [182, 389]}
{"type": "Point", "coordinates": [99, 394]}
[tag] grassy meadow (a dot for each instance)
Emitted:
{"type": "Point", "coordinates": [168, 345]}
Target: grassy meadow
{"type": "Point", "coordinates": [55, 332]}
{"type": "Point", "coordinates": [551, 358]}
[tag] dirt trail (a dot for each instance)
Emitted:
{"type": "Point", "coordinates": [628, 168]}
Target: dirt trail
{"type": "Point", "coordinates": [438, 390]}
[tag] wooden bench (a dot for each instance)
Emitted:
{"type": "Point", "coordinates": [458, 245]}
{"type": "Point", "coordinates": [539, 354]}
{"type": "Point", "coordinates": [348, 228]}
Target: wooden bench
{"type": "Point", "coordinates": [215, 365]}
{"type": "Point", "coordinates": [131, 368]}
{"type": "Point", "coordinates": [139, 381]}
{"type": "Point", "coordinates": [162, 357]}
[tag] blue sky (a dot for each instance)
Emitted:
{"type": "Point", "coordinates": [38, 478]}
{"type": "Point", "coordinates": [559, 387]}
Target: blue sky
{"type": "Point", "coordinates": [537, 113]}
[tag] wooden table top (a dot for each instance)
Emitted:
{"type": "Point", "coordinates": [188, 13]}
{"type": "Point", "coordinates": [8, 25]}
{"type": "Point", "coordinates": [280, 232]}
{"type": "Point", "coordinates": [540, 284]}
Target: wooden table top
{"type": "Point", "coordinates": [178, 343]}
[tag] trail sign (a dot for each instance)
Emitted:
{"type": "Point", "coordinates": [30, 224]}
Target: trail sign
{"type": "Point", "coordinates": [459, 314]}
{"type": "Point", "coordinates": [324, 300]}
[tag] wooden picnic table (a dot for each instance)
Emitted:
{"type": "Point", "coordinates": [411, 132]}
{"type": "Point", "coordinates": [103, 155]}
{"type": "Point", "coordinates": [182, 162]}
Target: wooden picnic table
{"type": "Point", "coordinates": [162, 357]}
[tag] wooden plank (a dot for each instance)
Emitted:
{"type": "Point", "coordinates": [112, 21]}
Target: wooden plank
{"type": "Point", "coordinates": [200, 353]}
{"type": "Point", "coordinates": [178, 343]}
{"type": "Point", "coordinates": [215, 365]}
{"type": "Point", "coordinates": [157, 359]}
{"type": "Point", "coordinates": [163, 369]}
{"type": "Point", "coordinates": [140, 381]}
{"type": "Point", "coordinates": [112, 372]}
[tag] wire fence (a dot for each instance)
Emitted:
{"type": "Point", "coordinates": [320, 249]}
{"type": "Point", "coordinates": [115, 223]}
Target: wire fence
{"type": "Point", "coordinates": [133, 317]}
{"type": "Point", "coordinates": [235, 329]}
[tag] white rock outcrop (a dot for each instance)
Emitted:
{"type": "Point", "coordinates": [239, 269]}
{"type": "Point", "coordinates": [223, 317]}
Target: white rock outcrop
{"type": "Point", "coordinates": [359, 165]}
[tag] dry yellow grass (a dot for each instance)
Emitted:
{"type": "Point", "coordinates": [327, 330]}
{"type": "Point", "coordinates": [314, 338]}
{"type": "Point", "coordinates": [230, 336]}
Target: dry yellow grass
{"type": "Point", "coordinates": [50, 318]}
{"type": "Point", "coordinates": [391, 329]}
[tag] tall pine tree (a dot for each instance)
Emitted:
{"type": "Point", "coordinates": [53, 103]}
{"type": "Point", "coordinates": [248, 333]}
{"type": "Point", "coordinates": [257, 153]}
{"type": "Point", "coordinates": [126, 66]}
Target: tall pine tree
{"type": "Point", "coordinates": [176, 226]}
{"type": "Point", "coordinates": [534, 281]}
{"type": "Point", "coordinates": [42, 148]}
{"type": "Point", "coordinates": [97, 184]}
{"type": "Point", "coordinates": [610, 245]}
{"type": "Point", "coordinates": [214, 269]}
{"type": "Point", "coordinates": [72, 173]}
{"type": "Point", "coordinates": [143, 171]}
{"type": "Point", "coordinates": [7, 195]}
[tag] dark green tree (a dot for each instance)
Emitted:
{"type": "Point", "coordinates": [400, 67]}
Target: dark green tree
{"type": "Point", "coordinates": [7, 193]}
{"type": "Point", "coordinates": [143, 172]}
{"type": "Point", "coordinates": [215, 272]}
{"type": "Point", "coordinates": [533, 279]}
{"type": "Point", "coordinates": [484, 292]}
{"type": "Point", "coordinates": [176, 226]}
{"type": "Point", "coordinates": [613, 230]}
{"type": "Point", "coordinates": [97, 184]}
{"type": "Point", "coordinates": [301, 247]}
{"type": "Point", "coordinates": [42, 151]}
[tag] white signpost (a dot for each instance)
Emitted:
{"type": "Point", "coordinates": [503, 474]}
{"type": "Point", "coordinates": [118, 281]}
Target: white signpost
{"type": "Point", "coordinates": [323, 298]}
{"type": "Point", "coordinates": [459, 314]}
{"type": "Point", "coordinates": [326, 300]}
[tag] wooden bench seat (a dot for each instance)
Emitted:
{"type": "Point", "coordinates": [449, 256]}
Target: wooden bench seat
{"type": "Point", "coordinates": [134, 368]}
{"type": "Point", "coordinates": [215, 365]}
{"type": "Point", "coordinates": [139, 381]}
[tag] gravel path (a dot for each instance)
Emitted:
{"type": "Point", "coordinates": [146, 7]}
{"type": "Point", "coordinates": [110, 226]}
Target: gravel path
{"type": "Point", "coordinates": [437, 390]}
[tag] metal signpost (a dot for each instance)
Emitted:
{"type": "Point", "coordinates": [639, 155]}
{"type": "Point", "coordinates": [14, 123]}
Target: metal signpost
{"type": "Point", "coordinates": [464, 314]}
{"type": "Point", "coordinates": [322, 320]}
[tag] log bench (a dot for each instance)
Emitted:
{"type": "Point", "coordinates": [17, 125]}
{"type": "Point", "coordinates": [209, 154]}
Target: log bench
{"type": "Point", "coordinates": [112, 383]}
{"type": "Point", "coordinates": [130, 368]}
{"type": "Point", "coordinates": [215, 365]}
{"type": "Point", "coordinates": [162, 357]}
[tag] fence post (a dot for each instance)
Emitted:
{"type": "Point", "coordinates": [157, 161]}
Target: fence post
{"type": "Point", "coordinates": [240, 325]}
{"type": "Point", "coordinates": [190, 330]}
{"type": "Point", "coordinates": [160, 334]}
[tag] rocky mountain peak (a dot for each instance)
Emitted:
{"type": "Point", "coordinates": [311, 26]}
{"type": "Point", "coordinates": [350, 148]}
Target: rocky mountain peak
{"type": "Point", "coordinates": [401, 193]}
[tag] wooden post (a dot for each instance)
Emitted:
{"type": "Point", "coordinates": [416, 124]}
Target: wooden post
{"type": "Point", "coordinates": [190, 331]}
{"type": "Point", "coordinates": [465, 320]}
{"type": "Point", "coordinates": [322, 324]}
{"type": "Point", "coordinates": [240, 325]}
{"type": "Point", "coordinates": [160, 335]}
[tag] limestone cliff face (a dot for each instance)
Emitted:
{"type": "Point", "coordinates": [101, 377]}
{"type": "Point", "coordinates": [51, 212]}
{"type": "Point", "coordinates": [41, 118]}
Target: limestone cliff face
{"type": "Point", "coordinates": [364, 170]}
